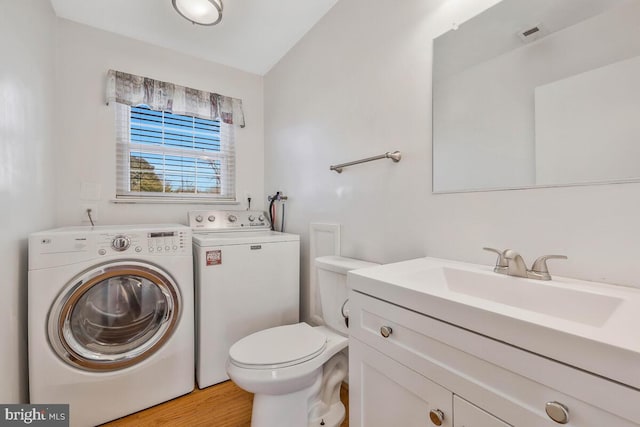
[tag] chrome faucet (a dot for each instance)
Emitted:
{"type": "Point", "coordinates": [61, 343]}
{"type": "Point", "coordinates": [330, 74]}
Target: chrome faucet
{"type": "Point", "coordinates": [511, 263]}
{"type": "Point", "coordinates": [515, 264]}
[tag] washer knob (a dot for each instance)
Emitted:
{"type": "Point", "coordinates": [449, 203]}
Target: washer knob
{"type": "Point", "coordinates": [120, 243]}
{"type": "Point", "coordinates": [199, 218]}
{"type": "Point", "coordinates": [261, 218]}
{"type": "Point", "coordinates": [252, 218]}
{"type": "Point", "coordinates": [211, 218]}
{"type": "Point", "coordinates": [232, 218]}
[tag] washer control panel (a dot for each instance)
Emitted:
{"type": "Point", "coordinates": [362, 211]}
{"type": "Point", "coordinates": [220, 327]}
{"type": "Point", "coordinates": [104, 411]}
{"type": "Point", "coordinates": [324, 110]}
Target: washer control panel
{"type": "Point", "coordinates": [228, 220]}
{"type": "Point", "coordinates": [144, 242]}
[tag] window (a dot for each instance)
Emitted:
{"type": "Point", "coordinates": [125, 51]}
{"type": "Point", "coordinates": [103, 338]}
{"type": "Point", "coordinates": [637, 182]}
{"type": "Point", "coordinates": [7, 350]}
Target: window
{"type": "Point", "coordinates": [169, 156]}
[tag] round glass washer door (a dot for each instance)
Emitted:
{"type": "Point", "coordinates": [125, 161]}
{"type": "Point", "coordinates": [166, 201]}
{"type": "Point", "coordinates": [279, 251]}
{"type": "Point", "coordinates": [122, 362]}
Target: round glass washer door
{"type": "Point", "coordinates": [114, 316]}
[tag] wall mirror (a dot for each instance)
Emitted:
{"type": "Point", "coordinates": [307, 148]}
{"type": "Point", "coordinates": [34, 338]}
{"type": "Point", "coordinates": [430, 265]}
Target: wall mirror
{"type": "Point", "coordinates": [538, 93]}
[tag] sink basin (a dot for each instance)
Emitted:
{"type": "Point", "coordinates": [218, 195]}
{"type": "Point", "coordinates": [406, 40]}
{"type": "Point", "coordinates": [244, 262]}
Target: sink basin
{"type": "Point", "coordinates": [533, 295]}
{"type": "Point", "coordinates": [588, 325]}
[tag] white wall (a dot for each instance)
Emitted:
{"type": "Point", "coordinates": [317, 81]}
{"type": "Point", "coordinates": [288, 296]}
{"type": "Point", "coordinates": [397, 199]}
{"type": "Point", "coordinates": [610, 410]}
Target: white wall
{"type": "Point", "coordinates": [86, 139]}
{"type": "Point", "coordinates": [359, 84]}
{"type": "Point", "coordinates": [27, 30]}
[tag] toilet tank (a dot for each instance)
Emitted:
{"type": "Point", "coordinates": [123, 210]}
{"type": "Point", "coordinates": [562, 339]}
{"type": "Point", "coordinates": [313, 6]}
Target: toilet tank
{"type": "Point", "coordinates": [332, 284]}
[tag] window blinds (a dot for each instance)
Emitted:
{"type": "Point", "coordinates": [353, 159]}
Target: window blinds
{"type": "Point", "coordinates": [164, 155]}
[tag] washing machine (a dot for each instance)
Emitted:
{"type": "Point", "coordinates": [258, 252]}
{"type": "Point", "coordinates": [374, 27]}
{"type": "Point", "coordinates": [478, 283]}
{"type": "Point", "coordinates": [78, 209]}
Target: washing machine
{"type": "Point", "coordinates": [247, 279]}
{"type": "Point", "coordinates": [111, 326]}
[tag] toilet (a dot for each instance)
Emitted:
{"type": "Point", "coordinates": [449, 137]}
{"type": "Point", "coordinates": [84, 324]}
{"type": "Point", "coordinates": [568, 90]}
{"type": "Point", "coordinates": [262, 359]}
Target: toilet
{"type": "Point", "coordinates": [295, 371]}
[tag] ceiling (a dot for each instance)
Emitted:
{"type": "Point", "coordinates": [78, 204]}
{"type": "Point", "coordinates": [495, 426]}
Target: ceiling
{"type": "Point", "coordinates": [253, 35]}
{"type": "Point", "coordinates": [495, 31]}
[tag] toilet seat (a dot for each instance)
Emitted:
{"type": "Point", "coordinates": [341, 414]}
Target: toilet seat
{"type": "Point", "coordinates": [278, 347]}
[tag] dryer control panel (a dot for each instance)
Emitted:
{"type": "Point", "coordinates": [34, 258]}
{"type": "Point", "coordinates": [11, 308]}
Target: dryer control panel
{"type": "Point", "coordinates": [228, 220]}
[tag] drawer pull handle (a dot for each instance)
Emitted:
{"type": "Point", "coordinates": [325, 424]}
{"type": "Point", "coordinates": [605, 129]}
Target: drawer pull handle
{"type": "Point", "coordinates": [436, 416]}
{"type": "Point", "coordinates": [385, 331]}
{"type": "Point", "coordinates": [557, 412]}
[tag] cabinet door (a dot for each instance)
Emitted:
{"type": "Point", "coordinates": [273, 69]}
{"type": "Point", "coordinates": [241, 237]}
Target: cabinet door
{"type": "Point", "coordinates": [468, 415]}
{"type": "Point", "coordinates": [384, 393]}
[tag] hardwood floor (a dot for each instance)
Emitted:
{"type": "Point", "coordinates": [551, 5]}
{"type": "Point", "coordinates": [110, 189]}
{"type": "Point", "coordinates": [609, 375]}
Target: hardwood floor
{"type": "Point", "coordinates": [221, 405]}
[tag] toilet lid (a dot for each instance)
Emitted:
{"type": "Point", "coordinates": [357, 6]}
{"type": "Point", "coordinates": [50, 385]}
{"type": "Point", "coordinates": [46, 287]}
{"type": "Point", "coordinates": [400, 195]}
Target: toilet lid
{"type": "Point", "coordinates": [280, 346]}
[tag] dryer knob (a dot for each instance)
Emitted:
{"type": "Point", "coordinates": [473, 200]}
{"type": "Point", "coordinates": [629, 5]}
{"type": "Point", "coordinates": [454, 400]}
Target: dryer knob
{"type": "Point", "coordinates": [211, 218]}
{"type": "Point", "coordinates": [199, 218]}
{"type": "Point", "coordinates": [121, 243]}
{"type": "Point", "coordinates": [261, 218]}
{"type": "Point", "coordinates": [232, 218]}
{"type": "Point", "coordinates": [252, 218]}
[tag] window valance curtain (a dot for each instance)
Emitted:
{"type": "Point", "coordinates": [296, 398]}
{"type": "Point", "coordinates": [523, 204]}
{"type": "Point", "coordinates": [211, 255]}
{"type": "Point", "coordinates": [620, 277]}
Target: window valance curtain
{"type": "Point", "coordinates": [133, 90]}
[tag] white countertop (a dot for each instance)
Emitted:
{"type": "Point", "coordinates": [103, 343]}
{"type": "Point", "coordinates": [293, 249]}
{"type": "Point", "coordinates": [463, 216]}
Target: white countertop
{"type": "Point", "coordinates": [600, 335]}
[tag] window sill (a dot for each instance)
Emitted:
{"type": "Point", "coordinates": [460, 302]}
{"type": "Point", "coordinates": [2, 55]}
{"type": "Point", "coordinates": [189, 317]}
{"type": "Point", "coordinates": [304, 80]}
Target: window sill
{"type": "Point", "coordinates": [164, 201]}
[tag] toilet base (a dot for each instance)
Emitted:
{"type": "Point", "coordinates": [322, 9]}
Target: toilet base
{"type": "Point", "coordinates": [292, 410]}
{"type": "Point", "coordinates": [328, 410]}
{"type": "Point", "coordinates": [332, 418]}
{"type": "Point", "coordinates": [288, 410]}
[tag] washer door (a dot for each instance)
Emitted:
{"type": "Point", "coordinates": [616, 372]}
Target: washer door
{"type": "Point", "coordinates": [114, 316]}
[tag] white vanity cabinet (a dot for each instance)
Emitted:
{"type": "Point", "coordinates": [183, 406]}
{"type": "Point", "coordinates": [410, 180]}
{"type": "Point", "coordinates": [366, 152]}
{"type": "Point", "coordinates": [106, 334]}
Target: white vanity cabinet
{"type": "Point", "coordinates": [424, 365]}
{"type": "Point", "coordinates": [390, 394]}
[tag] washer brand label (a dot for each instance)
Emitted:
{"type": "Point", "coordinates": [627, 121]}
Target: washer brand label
{"type": "Point", "coordinates": [214, 257]}
{"type": "Point", "coordinates": [34, 415]}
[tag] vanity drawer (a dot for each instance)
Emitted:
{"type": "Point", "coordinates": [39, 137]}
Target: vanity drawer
{"type": "Point", "coordinates": [467, 415]}
{"type": "Point", "coordinates": [511, 383]}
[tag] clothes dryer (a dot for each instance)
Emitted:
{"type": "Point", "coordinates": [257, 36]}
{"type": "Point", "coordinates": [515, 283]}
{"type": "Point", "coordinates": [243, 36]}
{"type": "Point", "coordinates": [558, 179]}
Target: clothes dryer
{"type": "Point", "coordinates": [111, 327]}
{"type": "Point", "coordinates": [247, 279]}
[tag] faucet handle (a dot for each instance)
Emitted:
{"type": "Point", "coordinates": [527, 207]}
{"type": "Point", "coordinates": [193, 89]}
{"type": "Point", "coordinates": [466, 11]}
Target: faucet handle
{"type": "Point", "coordinates": [501, 262]}
{"type": "Point", "coordinates": [539, 268]}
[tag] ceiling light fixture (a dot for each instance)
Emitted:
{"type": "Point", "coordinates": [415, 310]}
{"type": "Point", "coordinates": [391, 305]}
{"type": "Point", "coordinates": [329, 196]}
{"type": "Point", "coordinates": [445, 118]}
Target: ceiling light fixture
{"type": "Point", "coordinates": [201, 12]}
